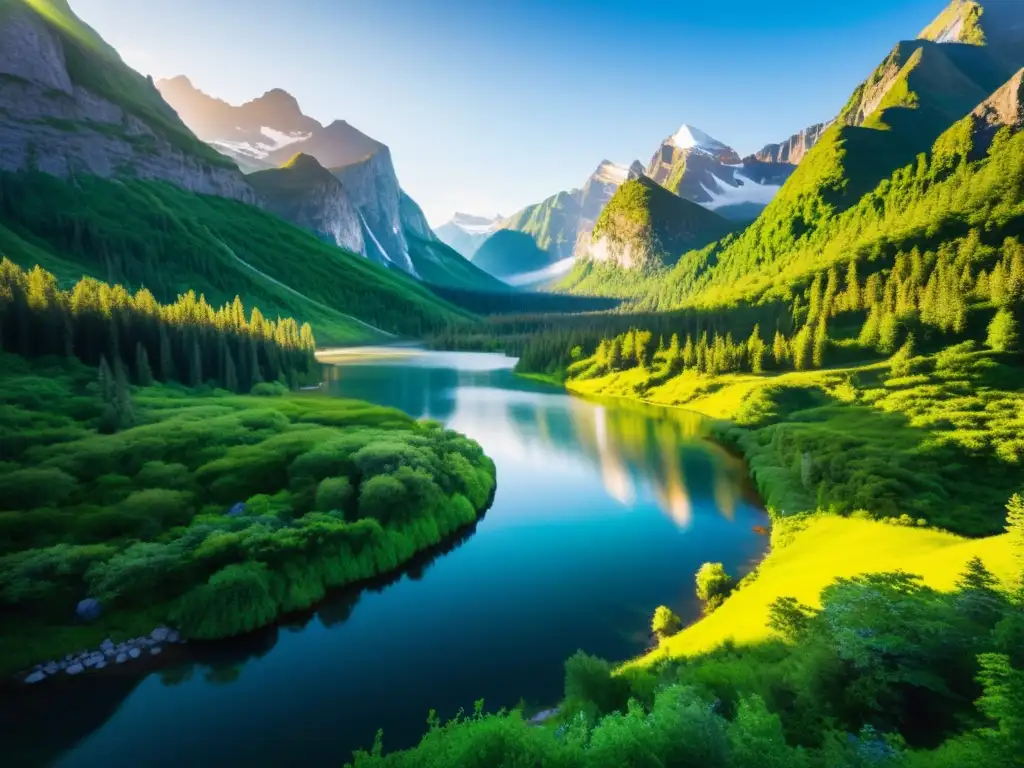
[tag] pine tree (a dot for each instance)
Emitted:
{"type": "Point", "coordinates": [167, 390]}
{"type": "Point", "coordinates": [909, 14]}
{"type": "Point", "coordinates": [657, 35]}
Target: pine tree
{"type": "Point", "coordinates": [801, 348]}
{"type": "Point", "coordinates": [820, 343]}
{"type": "Point", "coordinates": [779, 349]}
{"type": "Point", "coordinates": [106, 380]}
{"type": "Point", "coordinates": [1002, 332]}
{"type": "Point", "coordinates": [230, 374]}
{"type": "Point", "coordinates": [899, 364]}
{"type": "Point", "coordinates": [167, 372]}
{"type": "Point", "coordinates": [869, 332]}
{"type": "Point", "coordinates": [888, 333]}
{"type": "Point", "coordinates": [122, 401]}
{"type": "Point", "coordinates": [195, 364]}
{"type": "Point", "coordinates": [143, 372]}
{"type": "Point", "coordinates": [852, 299]}
{"type": "Point", "coordinates": [756, 349]}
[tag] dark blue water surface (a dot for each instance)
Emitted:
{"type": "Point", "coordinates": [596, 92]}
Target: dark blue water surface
{"type": "Point", "coordinates": [602, 513]}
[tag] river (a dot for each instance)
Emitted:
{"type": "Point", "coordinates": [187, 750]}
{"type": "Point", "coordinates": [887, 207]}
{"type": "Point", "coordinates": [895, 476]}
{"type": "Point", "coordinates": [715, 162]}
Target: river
{"type": "Point", "coordinates": [603, 511]}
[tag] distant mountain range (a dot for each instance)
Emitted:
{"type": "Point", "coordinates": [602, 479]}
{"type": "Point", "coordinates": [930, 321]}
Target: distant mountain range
{"type": "Point", "coordinates": [691, 164]}
{"type": "Point", "coordinates": [926, 149]}
{"type": "Point", "coordinates": [466, 233]}
{"type": "Point", "coordinates": [333, 180]}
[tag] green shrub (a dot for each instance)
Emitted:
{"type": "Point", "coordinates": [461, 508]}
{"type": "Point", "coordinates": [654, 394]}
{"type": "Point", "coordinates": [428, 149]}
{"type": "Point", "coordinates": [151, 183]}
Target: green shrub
{"type": "Point", "coordinates": [35, 487]}
{"type": "Point", "coordinates": [334, 493]}
{"type": "Point", "coordinates": [235, 600]}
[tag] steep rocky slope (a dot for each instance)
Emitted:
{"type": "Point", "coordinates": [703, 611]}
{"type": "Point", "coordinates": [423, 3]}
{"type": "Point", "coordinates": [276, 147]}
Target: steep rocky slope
{"type": "Point", "coordinates": [305, 193]}
{"type": "Point", "coordinates": [791, 151]}
{"type": "Point", "coordinates": [268, 131]}
{"type": "Point", "coordinates": [71, 106]}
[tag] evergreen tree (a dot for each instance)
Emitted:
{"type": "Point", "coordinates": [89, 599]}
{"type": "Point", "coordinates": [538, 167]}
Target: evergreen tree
{"type": "Point", "coordinates": [899, 364]}
{"type": "Point", "coordinates": [820, 343]}
{"type": "Point", "coordinates": [1002, 332]}
{"type": "Point", "coordinates": [888, 333]}
{"type": "Point", "coordinates": [230, 374]}
{"type": "Point", "coordinates": [756, 349]}
{"type": "Point", "coordinates": [167, 372]}
{"type": "Point", "coordinates": [106, 380]}
{"type": "Point", "coordinates": [802, 348]}
{"type": "Point", "coordinates": [143, 372]}
{"type": "Point", "coordinates": [779, 349]}
{"type": "Point", "coordinates": [195, 363]}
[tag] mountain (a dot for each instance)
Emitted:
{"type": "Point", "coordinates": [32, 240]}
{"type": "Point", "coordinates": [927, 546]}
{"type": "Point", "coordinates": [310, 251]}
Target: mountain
{"type": "Point", "coordinates": [703, 170]}
{"type": "Point", "coordinates": [644, 225]}
{"type": "Point", "coordinates": [305, 193]}
{"type": "Point", "coordinates": [70, 105]}
{"type": "Point", "coordinates": [509, 252]}
{"type": "Point", "coordinates": [465, 232]}
{"type": "Point", "coordinates": [555, 224]}
{"type": "Point", "coordinates": [915, 160]}
{"type": "Point", "coordinates": [99, 177]}
{"type": "Point", "coordinates": [268, 131]}
{"type": "Point", "coordinates": [791, 151]}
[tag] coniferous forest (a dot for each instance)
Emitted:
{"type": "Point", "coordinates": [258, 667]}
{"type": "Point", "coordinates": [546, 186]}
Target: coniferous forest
{"type": "Point", "coordinates": [172, 453]}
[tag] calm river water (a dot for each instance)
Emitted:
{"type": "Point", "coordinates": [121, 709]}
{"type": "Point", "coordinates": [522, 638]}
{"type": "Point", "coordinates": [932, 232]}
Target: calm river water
{"type": "Point", "coordinates": [602, 513]}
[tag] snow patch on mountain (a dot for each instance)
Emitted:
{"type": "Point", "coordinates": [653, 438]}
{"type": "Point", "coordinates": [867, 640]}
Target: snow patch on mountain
{"type": "Point", "coordinates": [611, 173]}
{"type": "Point", "coordinates": [688, 137]}
{"type": "Point", "coordinates": [260, 150]}
{"type": "Point", "coordinates": [746, 191]}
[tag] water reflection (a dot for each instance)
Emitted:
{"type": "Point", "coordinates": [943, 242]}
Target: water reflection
{"type": "Point", "coordinates": [603, 511]}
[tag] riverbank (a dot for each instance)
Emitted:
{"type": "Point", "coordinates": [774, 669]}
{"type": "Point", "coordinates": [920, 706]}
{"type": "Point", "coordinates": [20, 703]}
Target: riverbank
{"type": "Point", "coordinates": [212, 513]}
{"type": "Point", "coordinates": [862, 472]}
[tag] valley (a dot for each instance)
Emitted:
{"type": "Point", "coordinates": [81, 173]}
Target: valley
{"type": "Point", "coordinates": [710, 461]}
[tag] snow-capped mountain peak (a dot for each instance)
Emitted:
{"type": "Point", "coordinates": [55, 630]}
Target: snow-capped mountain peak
{"type": "Point", "coordinates": [688, 137]}
{"type": "Point", "coordinates": [611, 173]}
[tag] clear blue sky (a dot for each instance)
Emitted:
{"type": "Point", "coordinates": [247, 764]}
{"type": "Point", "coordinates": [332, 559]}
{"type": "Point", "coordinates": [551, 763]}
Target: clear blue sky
{"type": "Point", "coordinates": [489, 105]}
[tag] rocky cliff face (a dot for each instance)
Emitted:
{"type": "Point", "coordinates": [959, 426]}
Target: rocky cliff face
{"type": "Point", "coordinates": [269, 131]}
{"type": "Point", "coordinates": [308, 195]}
{"type": "Point", "coordinates": [1003, 108]}
{"type": "Point", "coordinates": [51, 123]}
{"type": "Point", "coordinates": [372, 186]}
{"type": "Point", "coordinates": [793, 150]}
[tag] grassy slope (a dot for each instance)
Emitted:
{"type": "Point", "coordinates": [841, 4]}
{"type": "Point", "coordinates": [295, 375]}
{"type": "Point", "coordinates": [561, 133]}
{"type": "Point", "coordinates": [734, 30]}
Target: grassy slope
{"type": "Point", "coordinates": [440, 265]}
{"type": "Point", "coordinates": [151, 233]}
{"type": "Point", "coordinates": [826, 549]}
{"type": "Point", "coordinates": [809, 553]}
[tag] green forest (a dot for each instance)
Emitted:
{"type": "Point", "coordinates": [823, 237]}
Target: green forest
{"type": "Point", "coordinates": [135, 473]}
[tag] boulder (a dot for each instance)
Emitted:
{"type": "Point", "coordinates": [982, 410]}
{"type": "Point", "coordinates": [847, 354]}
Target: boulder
{"type": "Point", "coordinates": [135, 653]}
{"type": "Point", "coordinates": [121, 658]}
{"type": "Point", "coordinates": [107, 645]}
{"type": "Point", "coordinates": [100, 664]}
{"type": "Point", "coordinates": [236, 509]}
{"type": "Point", "coordinates": [173, 636]}
{"type": "Point", "coordinates": [51, 668]}
{"type": "Point", "coordinates": [88, 609]}
{"type": "Point", "coordinates": [36, 677]}
{"type": "Point", "coordinates": [160, 634]}
{"type": "Point", "coordinates": [75, 669]}
{"type": "Point", "coordinates": [155, 650]}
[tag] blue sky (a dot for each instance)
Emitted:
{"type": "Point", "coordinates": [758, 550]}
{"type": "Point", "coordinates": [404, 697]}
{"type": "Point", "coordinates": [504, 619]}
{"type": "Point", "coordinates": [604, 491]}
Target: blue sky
{"type": "Point", "coordinates": [490, 105]}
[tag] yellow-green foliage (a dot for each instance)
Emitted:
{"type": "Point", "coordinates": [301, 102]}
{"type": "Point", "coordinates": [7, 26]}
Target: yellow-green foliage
{"type": "Point", "coordinates": [819, 551]}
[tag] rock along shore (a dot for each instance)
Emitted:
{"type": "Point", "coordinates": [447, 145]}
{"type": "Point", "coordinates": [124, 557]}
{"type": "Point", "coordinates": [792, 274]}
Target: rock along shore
{"type": "Point", "coordinates": [107, 654]}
